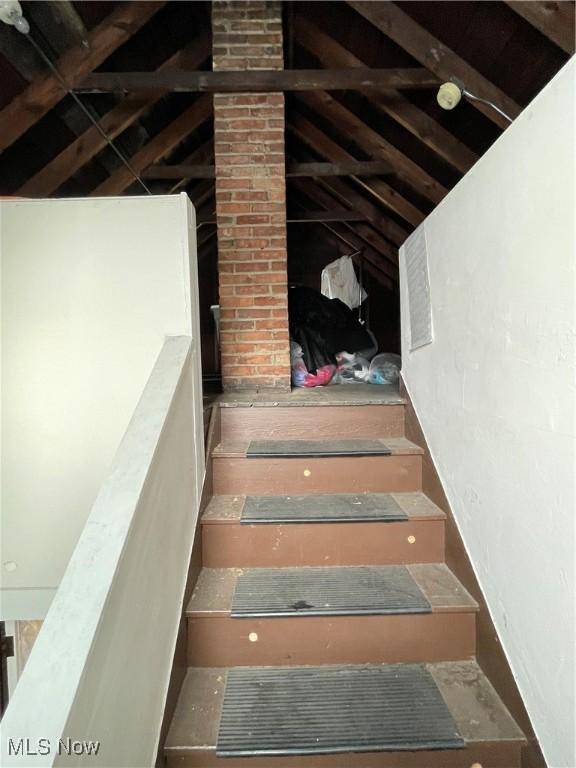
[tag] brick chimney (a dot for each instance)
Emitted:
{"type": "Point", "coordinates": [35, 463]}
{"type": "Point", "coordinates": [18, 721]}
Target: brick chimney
{"type": "Point", "coordinates": [251, 200]}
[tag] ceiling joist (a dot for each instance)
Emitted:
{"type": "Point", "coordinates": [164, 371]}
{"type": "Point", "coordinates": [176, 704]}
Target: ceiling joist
{"type": "Point", "coordinates": [256, 81]}
{"type": "Point", "coordinates": [293, 170]}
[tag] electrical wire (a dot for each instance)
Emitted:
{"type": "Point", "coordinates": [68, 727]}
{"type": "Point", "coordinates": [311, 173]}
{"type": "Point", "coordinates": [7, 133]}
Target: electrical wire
{"type": "Point", "coordinates": [488, 103]}
{"type": "Point", "coordinates": [38, 48]}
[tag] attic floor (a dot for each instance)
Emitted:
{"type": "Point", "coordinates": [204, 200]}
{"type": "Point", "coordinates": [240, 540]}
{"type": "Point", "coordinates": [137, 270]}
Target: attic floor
{"type": "Point", "coordinates": [340, 394]}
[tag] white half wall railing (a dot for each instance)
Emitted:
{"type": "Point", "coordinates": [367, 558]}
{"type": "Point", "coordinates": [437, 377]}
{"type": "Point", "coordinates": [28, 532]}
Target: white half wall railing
{"type": "Point", "coordinates": [95, 685]}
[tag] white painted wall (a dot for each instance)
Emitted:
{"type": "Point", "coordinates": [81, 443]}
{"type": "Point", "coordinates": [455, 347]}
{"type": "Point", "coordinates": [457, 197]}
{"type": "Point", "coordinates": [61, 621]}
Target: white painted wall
{"type": "Point", "coordinates": [90, 289]}
{"type": "Point", "coordinates": [495, 393]}
{"type": "Point", "coordinates": [100, 668]}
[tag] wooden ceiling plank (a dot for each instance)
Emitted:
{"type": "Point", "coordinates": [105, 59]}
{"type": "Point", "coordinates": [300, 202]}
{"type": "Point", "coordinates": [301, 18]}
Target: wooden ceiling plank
{"type": "Point", "coordinates": [437, 57]}
{"type": "Point", "coordinates": [374, 144]}
{"type": "Point", "coordinates": [41, 95]}
{"type": "Point", "coordinates": [256, 81]}
{"type": "Point", "coordinates": [158, 147]}
{"type": "Point", "coordinates": [113, 123]}
{"type": "Point", "coordinates": [201, 171]}
{"type": "Point", "coordinates": [332, 54]}
{"type": "Point", "coordinates": [555, 20]}
{"type": "Point", "coordinates": [325, 146]}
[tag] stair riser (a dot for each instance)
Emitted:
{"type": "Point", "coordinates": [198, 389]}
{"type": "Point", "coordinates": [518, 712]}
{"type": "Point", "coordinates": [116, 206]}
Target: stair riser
{"type": "Point", "coordinates": [233, 545]}
{"type": "Point", "coordinates": [222, 641]}
{"type": "Point", "coordinates": [488, 754]}
{"type": "Point", "coordinates": [375, 421]}
{"type": "Point", "coordinates": [277, 477]}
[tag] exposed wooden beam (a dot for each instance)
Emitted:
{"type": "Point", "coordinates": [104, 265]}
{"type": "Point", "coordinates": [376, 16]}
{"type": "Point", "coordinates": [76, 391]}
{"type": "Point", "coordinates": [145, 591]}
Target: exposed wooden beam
{"type": "Point", "coordinates": [256, 81]}
{"type": "Point", "coordinates": [204, 153]}
{"type": "Point", "coordinates": [332, 54]}
{"type": "Point", "coordinates": [201, 171]}
{"type": "Point", "coordinates": [325, 196]}
{"type": "Point", "coordinates": [436, 56]}
{"type": "Point", "coordinates": [113, 123]}
{"type": "Point", "coordinates": [384, 255]}
{"type": "Point", "coordinates": [41, 95]}
{"type": "Point", "coordinates": [201, 193]}
{"type": "Point", "coordinates": [350, 168]}
{"type": "Point", "coordinates": [311, 135]}
{"type": "Point", "coordinates": [307, 217]}
{"type": "Point", "coordinates": [66, 19]}
{"type": "Point", "coordinates": [374, 144]}
{"type": "Point", "coordinates": [555, 20]}
{"type": "Point", "coordinates": [158, 147]}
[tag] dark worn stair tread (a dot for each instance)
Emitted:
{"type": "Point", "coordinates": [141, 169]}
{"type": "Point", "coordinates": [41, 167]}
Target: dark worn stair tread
{"type": "Point", "coordinates": [310, 449]}
{"type": "Point", "coordinates": [349, 591]}
{"type": "Point", "coordinates": [415, 505]}
{"type": "Point", "coordinates": [345, 507]}
{"type": "Point", "coordinates": [478, 712]}
{"type": "Point", "coordinates": [329, 710]}
{"type": "Point", "coordinates": [215, 588]}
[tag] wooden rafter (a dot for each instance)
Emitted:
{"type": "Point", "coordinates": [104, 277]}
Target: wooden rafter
{"type": "Point", "coordinates": [203, 153]}
{"type": "Point", "coordinates": [324, 196]}
{"type": "Point", "coordinates": [555, 20]}
{"type": "Point", "coordinates": [41, 95]}
{"type": "Point", "coordinates": [332, 54]}
{"type": "Point", "coordinates": [311, 135]}
{"type": "Point", "coordinates": [436, 56]}
{"type": "Point", "coordinates": [374, 144]}
{"type": "Point", "coordinates": [256, 81]}
{"type": "Point", "coordinates": [113, 123]}
{"type": "Point", "coordinates": [158, 147]}
{"type": "Point", "coordinates": [203, 171]}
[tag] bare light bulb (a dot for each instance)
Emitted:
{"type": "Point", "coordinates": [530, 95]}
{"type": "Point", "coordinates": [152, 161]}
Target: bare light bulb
{"type": "Point", "coordinates": [449, 95]}
{"type": "Point", "coordinates": [11, 13]}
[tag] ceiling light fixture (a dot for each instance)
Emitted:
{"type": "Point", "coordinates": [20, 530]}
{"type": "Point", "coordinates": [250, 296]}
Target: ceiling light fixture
{"type": "Point", "coordinates": [11, 13]}
{"type": "Point", "coordinates": [450, 95]}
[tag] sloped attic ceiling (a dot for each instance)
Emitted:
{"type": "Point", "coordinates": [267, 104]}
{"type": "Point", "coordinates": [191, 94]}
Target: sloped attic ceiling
{"type": "Point", "coordinates": [503, 51]}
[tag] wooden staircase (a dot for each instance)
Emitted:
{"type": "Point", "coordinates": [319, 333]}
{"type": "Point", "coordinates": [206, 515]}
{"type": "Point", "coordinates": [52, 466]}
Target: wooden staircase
{"type": "Point", "coordinates": [295, 549]}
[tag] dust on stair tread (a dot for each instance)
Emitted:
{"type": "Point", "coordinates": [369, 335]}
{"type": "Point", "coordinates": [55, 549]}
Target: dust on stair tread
{"type": "Point", "coordinates": [344, 591]}
{"type": "Point", "coordinates": [322, 508]}
{"type": "Point", "coordinates": [327, 710]}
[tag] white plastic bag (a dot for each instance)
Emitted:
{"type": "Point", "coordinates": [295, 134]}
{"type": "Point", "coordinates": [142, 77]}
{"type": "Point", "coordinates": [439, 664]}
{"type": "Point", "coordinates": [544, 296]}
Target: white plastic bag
{"type": "Point", "coordinates": [385, 369]}
{"type": "Point", "coordinates": [339, 282]}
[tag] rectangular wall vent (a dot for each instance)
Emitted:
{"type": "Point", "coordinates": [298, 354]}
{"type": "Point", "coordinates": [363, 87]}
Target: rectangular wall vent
{"type": "Point", "coordinates": [418, 283]}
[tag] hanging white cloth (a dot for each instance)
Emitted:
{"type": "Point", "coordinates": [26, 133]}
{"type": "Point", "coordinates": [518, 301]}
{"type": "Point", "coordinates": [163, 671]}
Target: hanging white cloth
{"type": "Point", "coordinates": [339, 282]}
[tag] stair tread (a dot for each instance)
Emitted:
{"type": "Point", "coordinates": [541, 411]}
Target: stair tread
{"type": "Point", "coordinates": [351, 394]}
{"type": "Point", "coordinates": [215, 588]}
{"type": "Point", "coordinates": [397, 446]}
{"type": "Point", "coordinates": [478, 712]}
{"type": "Point", "coordinates": [416, 505]}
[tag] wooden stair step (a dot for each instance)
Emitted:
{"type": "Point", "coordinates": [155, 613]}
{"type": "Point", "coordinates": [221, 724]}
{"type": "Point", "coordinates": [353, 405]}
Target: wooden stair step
{"type": "Point", "coordinates": [489, 734]}
{"type": "Point", "coordinates": [343, 508]}
{"type": "Point", "coordinates": [446, 631]}
{"type": "Point", "coordinates": [397, 468]}
{"type": "Point", "coordinates": [228, 542]}
{"type": "Point", "coordinates": [300, 448]}
{"type": "Point", "coordinates": [283, 420]}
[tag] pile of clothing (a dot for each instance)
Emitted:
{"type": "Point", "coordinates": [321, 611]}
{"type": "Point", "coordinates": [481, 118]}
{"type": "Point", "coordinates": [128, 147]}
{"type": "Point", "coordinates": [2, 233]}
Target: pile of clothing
{"type": "Point", "coordinates": [328, 344]}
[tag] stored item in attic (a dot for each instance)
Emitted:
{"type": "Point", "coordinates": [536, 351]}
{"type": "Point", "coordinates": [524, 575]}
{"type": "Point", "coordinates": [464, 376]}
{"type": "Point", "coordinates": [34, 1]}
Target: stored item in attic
{"type": "Point", "coordinates": [385, 369]}
{"type": "Point", "coordinates": [339, 282]}
{"type": "Point", "coordinates": [323, 327]}
{"type": "Point", "coordinates": [352, 368]}
{"type": "Point", "coordinates": [301, 377]}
